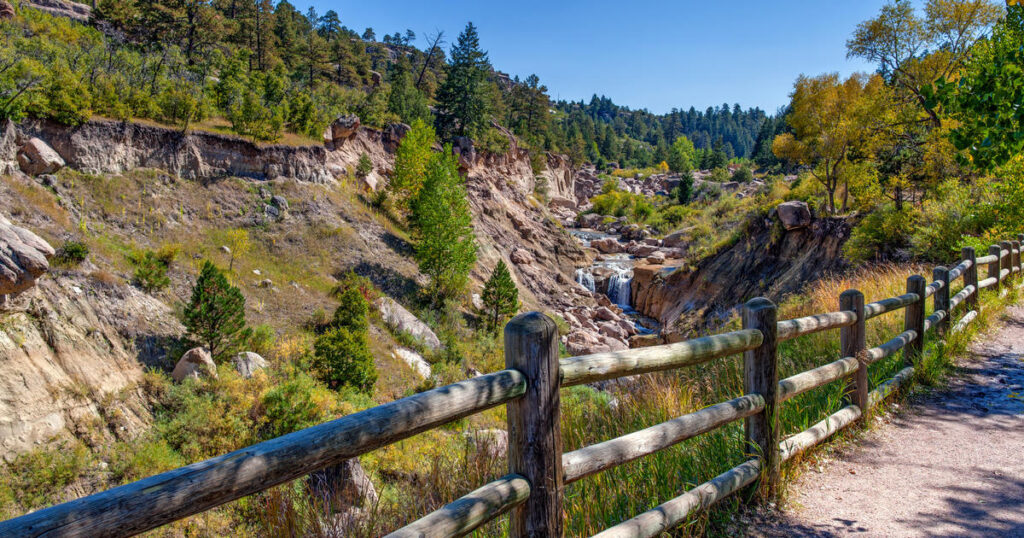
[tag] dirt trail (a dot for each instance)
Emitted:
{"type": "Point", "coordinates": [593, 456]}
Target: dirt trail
{"type": "Point", "coordinates": [951, 464]}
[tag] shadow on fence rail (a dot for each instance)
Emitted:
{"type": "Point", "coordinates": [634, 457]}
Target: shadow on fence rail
{"type": "Point", "coordinates": [530, 387]}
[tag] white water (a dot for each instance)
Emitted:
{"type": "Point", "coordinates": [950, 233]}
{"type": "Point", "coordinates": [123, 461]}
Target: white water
{"type": "Point", "coordinates": [619, 287]}
{"type": "Point", "coordinates": [585, 278]}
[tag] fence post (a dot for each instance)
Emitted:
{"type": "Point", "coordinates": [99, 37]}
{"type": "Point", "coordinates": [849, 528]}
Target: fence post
{"type": "Point", "coordinates": [941, 274]}
{"type": "Point", "coordinates": [1015, 259]}
{"type": "Point", "coordinates": [1008, 260]}
{"type": "Point", "coordinates": [852, 342]}
{"type": "Point", "coordinates": [914, 320]}
{"type": "Point", "coordinates": [761, 376]}
{"type": "Point", "coordinates": [993, 267]}
{"type": "Point", "coordinates": [971, 277]}
{"type": "Point", "coordinates": [534, 425]}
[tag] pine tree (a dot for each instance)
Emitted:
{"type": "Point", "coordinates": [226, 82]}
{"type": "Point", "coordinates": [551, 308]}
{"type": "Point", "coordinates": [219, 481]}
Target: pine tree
{"type": "Point", "coordinates": [405, 101]}
{"type": "Point", "coordinates": [215, 315]}
{"type": "Point", "coordinates": [411, 158]}
{"type": "Point", "coordinates": [462, 99]}
{"type": "Point", "coordinates": [500, 297]}
{"type": "Point", "coordinates": [681, 155]}
{"type": "Point", "coordinates": [445, 246]}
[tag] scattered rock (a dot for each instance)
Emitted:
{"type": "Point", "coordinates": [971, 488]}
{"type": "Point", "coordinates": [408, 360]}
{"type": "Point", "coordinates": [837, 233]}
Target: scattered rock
{"type": "Point", "coordinates": [225, 249]}
{"type": "Point", "coordinates": [279, 202]}
{"type": "Point", "coordinates": [794, 215]}
{"type": "Point", "coordinates": [656, 258]}
{"type": "Point", "coordinates": [590, 220]}
{"type": "Point", "coordinates": [401, 319]}
{"type": "Point", "coordinates": [645, 340]}
{"type": "Point", "coordinates": [607, 245]}
{"type": "Point", "coordinates": [247, 363]}
{"type": "Point", "coordinates": [605, 314]}
{"type": "Point", "coordinates": [478, 302]}
{"type": "Point", "coordinates": [342, 128]}
{"type": "Point", "coordinates": [343, 486]}
{"type": "Point", "coordinates": [271, 211]}
{"type": "Point", "coordinates": [414, 360]}
{"type": "Point", "coordinates": [559, 201]}
{"type": "Point", "coordinates": [36, 157]}
{"type": "Point", "coordinates": [492, 441]}
{"type": "Point", "coordinates": [521, 256]}
{"type": "Point", "coordinates": [196, 362]}
{"type": "Point", "coordinates": [266, 283]}
{"type": "Point", "coordinates": [612, 329]}
{"type": "Point", "coordinates": [23, 258]}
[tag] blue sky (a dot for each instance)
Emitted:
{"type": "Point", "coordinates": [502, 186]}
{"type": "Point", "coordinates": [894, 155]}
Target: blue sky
{"type": "Point", "coordinates": [643, 54]}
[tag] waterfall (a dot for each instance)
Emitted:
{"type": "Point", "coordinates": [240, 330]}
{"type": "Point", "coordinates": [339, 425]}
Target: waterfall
{"type": "Point", "coordinates": [619, 287]}
{"type": "Point", "coordinates": [585, 278]}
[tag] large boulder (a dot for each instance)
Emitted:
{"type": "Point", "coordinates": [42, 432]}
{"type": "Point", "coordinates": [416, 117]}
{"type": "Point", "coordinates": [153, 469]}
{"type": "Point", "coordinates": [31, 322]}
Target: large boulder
{"type": "Point", "coordinates": [675, 239]}
{"type": "Point", "coordinates": [23, 258]}
{"type": "Point", "coordinates": [36, 157]}
{"type": "Point", "coordinates": [521, 256]}
{"type": "Point", "coordinates": [343, 486]}
{"type": "Point", "coordinates": [794, 215]}
{"type": "Point", "coordinates": [342, 128]}
{"type": "Point", "coordinates": [656, 258]}
{"type": "Point", "coordinates": [393, 135]}
{"type": "Point", "coordinates": [607, 245]}
{"type": "Point", "coordinates": [196, 362]}
{"type": "Point", "coordinates": [401, 319]}
{"type": "Point", "coordinates": [247, 363]}
{"type": "Point", "coordinates": [590, 220]}
{"type": "Point", "coordinates": [414, 360]}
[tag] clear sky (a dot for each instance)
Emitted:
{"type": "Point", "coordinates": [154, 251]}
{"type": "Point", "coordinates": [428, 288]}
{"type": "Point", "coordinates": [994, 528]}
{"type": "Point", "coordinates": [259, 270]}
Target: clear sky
{"type": "Point", "coordinates": [641, 53]}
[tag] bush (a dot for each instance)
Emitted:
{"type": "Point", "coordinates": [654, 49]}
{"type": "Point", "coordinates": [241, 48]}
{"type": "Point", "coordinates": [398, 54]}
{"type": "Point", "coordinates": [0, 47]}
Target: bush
{"type": "Point", "coordinates": [342, 358]}
{"type": "Point", "coordinates": [294, 405]}
{"type": "Point", "coordinates": [882, 235]}
{"type": "Point", "coordinates": [720, 175]}
{"type": "Point", "coordinates": [262, 338]}
{"type": "Point", "coordinates": [151, 270]}
{"type": "Point", "coordinates": [365, 165]}
{"type": "Point", "coordinates": [351, 313]}
{"type": "Point", "coordinates": [743, 175]}
{"type": "Point", "coordinates": [71, 253]}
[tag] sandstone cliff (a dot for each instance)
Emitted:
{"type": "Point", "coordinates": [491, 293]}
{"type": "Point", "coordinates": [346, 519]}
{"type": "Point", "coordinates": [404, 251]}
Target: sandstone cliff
{"type": "Point", "coordinates": [71, 355]}
{"type": "Point", "coordinates": [767, 260]}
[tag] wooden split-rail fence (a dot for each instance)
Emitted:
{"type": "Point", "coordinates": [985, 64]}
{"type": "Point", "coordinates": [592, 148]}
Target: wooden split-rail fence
{"type": "Point", "coordinates": [529, 386]}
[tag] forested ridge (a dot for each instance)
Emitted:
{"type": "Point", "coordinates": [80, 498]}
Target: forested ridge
{"type": "Point", "coordinates": [270, 72]}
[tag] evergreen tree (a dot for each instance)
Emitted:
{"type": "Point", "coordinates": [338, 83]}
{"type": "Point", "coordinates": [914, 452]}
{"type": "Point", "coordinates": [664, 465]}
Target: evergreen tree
{"type": "Point", "coordinates": [405, 101]}
{"type": "Point", "coordinates": [215, 315]}
{"type": "Point", "coordinates": [500, 297]}
{"type": "Point", "coordinates": [342, 358]}
{"type": "Point", "coordinates": [351, 313]}
{"type": "Point", "coordinates": [411, 159]}
{"type": "Point", "coordinates": [462, 99]}
{"type": "Point", "coordinates": [445, 246]}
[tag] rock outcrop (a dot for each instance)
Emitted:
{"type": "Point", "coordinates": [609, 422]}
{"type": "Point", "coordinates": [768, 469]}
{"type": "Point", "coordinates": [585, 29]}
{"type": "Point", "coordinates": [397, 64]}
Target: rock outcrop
{"type": "Point", "coordinates": [248, 363]}
{"type": "Point", "coordinates": [762, 263]}
{"type": "Point", "coordinates": [794, 215]}
{"type": "Point", "coordinates": [36, 157]}
{"type": "Point", "coordinates": [72, 359]}
{"type": "Point", "coordinates": [401, 319]}
{"type": "Point", "coordinates": [23, 258]}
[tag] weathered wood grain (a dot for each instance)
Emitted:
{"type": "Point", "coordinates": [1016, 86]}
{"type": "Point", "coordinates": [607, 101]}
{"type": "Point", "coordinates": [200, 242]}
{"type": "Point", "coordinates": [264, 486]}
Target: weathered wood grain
{"type": "Point", "coordinates": [933, 319]}
{"type": "Point", "coordinates": [670, 514]}
{"type": "Point", "coordinates": [602, 456]}
{"type": "Point", "coordinates": [987, 283]}
{"type": "Point", "coordinates": [534, 425]}
{"type": "Point", "coordinates": [941, 302]}
{"type": "Point", "coordinates": [470, 511]}
{"type": "Point", "coordinates": [794, 328]}
{"type": "Point", "coordinates": [960, 297]}
{"type": "Point", "coordinates": [601, 366]}
{"type": "Point", "coordinates": [965, 321]}
{"type": "Point", "coordinates": [812, 379]}
{"type": "Point", "coordinates": [761, 376]}
{"type": "Point", "coordinates": [913, 320]}
{"type": "Point", "coordinates": [883, 390]}
{"type": "Point", "coordinates": [819, 432]}
{"type": "Point", "coordinates": [890, 348]}
{"type": "Point", "coordinates": [984, 260]}
{"type": "Point", "coordinates": [994, 266]}
{"type": "Point", "coordinates": [971, 277]}
{"type": "Point", "coordinates": [166, 497]}
{"type": "Point", "coordinates": [852, 343]}
{"type": "Point", "coordinates": [878, 308]}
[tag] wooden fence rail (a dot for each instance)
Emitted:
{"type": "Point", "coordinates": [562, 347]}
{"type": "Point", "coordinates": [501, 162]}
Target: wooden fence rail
{"type": "Point", "coordinates": [533, 491]}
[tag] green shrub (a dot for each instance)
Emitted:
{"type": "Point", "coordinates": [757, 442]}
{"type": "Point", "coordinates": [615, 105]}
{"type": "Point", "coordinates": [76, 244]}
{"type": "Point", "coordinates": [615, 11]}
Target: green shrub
{"type": "Point", "coordinates": [365, 165]}
{"type": "Point", "coordinates": [351, 313]}
{"type": "Point", "coordinates": [743, 175]}
{"type": "Point", "coordinates": [200, 419]}
{"type": "Point", "coordinates": [261, 339]}
{"type": "Point", "coordinates": [294, 405]}
{"type": "Point", "coordinates": [71, 253]}
{"type": "Point", "coordinates": [342, 358]}
{"type": "Point", "coordinates": [882, 235]}
{"type": "Point", "coordinates": [151, 270]}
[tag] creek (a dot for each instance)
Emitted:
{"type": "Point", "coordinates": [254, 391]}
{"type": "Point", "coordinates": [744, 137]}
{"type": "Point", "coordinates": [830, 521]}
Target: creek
{"type": "Point", "coordinates": [612, 275]}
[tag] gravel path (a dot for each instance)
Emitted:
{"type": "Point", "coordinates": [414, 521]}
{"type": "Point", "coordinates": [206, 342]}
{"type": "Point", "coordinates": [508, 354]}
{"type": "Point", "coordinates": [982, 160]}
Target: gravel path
{"type": "Point", "coordinates": [951, 464]}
